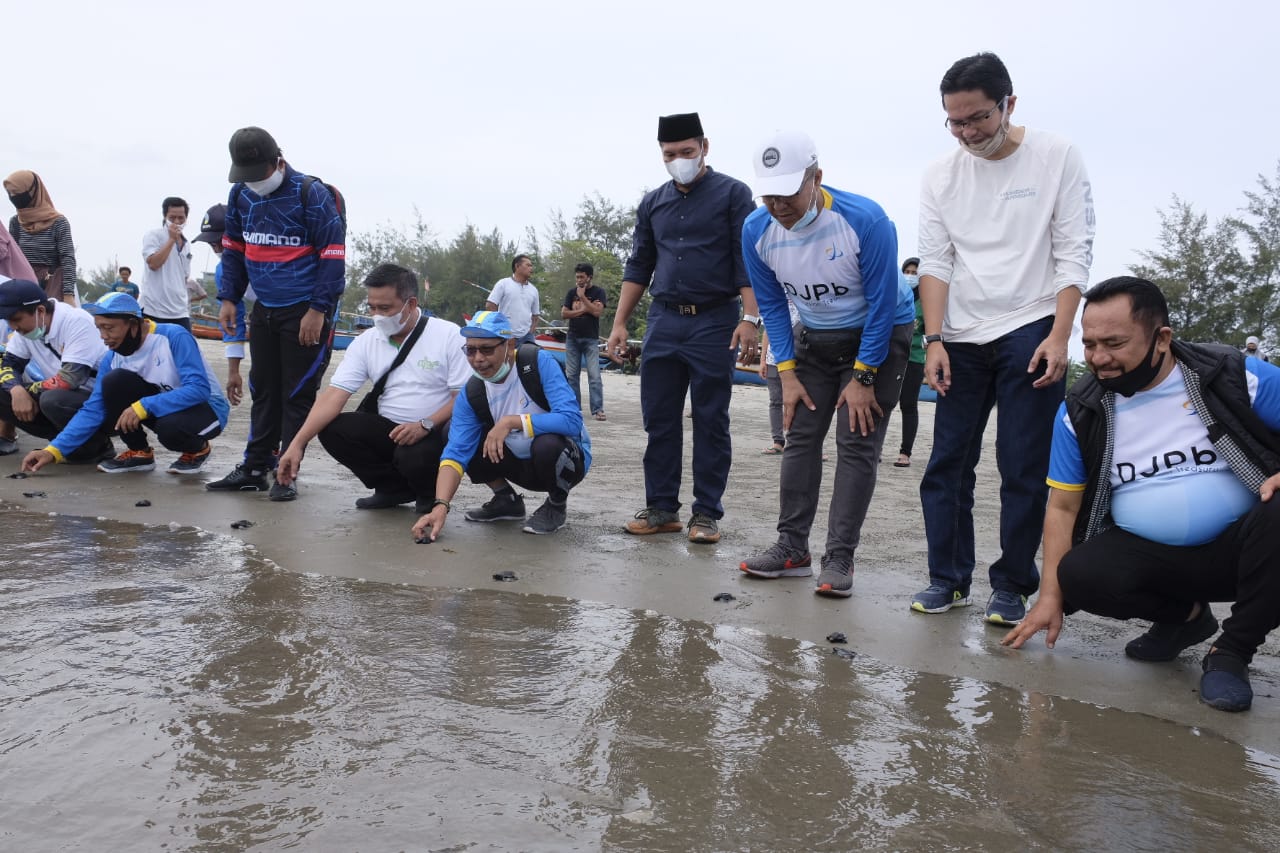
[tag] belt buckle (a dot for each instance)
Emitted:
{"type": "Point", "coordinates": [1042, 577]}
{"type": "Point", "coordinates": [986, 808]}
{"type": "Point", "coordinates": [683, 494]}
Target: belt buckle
{"type": "Point", "coordinates": [687, 310]}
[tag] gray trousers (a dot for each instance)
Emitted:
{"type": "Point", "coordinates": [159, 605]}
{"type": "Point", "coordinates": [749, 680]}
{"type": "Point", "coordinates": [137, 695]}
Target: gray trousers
{"type": "Point", "coordinates": [857, 456]}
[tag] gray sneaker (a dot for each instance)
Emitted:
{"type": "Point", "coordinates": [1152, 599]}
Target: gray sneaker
{"type": "Point", "coordinates": [498, 508]}
{"type": "Point", "coordinates": [547, 518]}
{"type": "Point", "coordinates": [778, 561]}
{"type": "Point", "coordinates": [836, 578]}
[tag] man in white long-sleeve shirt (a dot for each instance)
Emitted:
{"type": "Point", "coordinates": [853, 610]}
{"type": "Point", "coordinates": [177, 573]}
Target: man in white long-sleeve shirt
{"type": "Point", "coordinates": [1006, 241]}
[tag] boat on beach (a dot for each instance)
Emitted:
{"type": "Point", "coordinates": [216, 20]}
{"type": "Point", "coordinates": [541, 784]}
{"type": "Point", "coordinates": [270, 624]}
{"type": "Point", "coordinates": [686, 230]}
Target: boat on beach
{"type": "Point", "coordinates": [206, 327]}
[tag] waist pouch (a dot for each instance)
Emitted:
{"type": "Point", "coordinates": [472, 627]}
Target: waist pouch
{"type": "Point", "coordinates": [836, 347]}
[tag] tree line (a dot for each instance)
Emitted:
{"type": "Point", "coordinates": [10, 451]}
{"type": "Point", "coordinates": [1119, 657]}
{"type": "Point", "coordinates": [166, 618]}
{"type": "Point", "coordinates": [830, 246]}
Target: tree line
{"type": "Point", "coordinates": [1220, 279]}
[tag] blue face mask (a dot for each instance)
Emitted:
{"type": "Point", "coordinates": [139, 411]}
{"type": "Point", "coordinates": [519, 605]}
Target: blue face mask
{"type": "Point", "coordinates": [809, 215]}
{"type": "Point", "coordinates": [912, 280]}
{"type": "Point", "coordinates": [37, 333]}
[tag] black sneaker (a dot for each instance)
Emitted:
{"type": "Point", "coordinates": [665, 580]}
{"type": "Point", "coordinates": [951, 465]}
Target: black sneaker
{"type": "Point", "coordinates": [1225, 683]}
{"type": "Point", "coordinates": [383, 500]}
{"type": "Point", "coordinates": [1164, 641]}
{"type": "Point", "coordinates": [240, 480]}
{"type": "Point", "coordinates": [280, 492]}
{"type": "Point", "coordinates": [8, 446]}
{"type": "Point", "coordinates": [191, 463]}
{"type": "Point", "coordinates": [505, 507]}
{"type": "Point", "coordinates": [130, 460]}
{"type": "Point", "coordinates": [547, 518]}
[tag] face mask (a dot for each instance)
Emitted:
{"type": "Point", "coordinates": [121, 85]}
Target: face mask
{"type": "Point", "coordinates": [389, 325]}
{"type": "Point", "coordinates": [131, 341]}
{"type": "Point", "coordinates": [270, 185]}
{"type": "Point", "coordinates": [992, 145]}
{"type": "Point", "coordinates": [912, 280]}
{"type": "Point", "coordinates": [1132, 381]}
{"type": "Point", "coordinates": [809, 215]}
{"type": "Point", "coordinates": [684, 170]}
{"type": "Point", "coordinates": [35, 334]}
{"type": "Point", "coordinates": [497, 377]}
{"type": "Point", "coordinates": [21, 201]}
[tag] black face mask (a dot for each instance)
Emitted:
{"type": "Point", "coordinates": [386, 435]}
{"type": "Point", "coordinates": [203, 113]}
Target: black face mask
{"type": "Point", "coordinates": [1132, 381]}
{"type": "Point", "coordinates": [131, 341]}
{"type": "Point", "coordinates": [21, 200]}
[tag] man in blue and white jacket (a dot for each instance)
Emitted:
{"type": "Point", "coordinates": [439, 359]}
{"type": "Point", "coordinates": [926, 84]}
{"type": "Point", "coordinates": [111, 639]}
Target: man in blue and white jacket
{"type": "Point", "coordinates": [153, 376]}
{"type": "Point", "coordinates": [834, 256]}
{"type": "Point", "coordinates": [292, 250]}
{"type": "Point", "coordinates": [518, 440]}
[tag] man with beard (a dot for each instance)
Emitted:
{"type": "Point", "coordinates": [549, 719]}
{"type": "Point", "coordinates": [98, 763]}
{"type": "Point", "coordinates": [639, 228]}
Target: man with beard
{"type": "Point", "coordinates": [1162, 498]}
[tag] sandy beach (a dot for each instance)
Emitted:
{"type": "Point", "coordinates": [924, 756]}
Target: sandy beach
{"type": "Point", "coordinates": [592, 559]}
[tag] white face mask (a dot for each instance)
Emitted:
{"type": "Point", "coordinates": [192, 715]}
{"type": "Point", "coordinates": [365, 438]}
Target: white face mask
{"type": "Point", "coordinates": [270, 185]}
{"type": "Point", "coordinates": [389, 325]}
{"type": "Point", "coordinates": [684, 170]}
{"type": "Point", "coordinates": [992, 144]}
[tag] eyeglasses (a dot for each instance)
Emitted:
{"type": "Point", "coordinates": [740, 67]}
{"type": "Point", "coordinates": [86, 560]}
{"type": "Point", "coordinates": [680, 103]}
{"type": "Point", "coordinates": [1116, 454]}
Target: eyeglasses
{"type": "Point", "coordinates": [956, 125]}
{"type": "Point", "coordinates": [485, 351]}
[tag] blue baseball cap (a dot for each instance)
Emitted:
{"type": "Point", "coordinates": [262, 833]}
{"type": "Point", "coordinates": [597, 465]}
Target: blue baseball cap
{"type": "Point", "coordinates": [113, 304]}
{"type": "Point", "coordinates": [20, 294]}
{"type": "Point", "coordinates": [488, 324]}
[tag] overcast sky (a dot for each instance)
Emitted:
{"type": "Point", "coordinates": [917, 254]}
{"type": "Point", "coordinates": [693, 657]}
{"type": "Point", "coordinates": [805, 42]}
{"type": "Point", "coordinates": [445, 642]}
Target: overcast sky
{"type": "Point", "coordinates": [497, 112]}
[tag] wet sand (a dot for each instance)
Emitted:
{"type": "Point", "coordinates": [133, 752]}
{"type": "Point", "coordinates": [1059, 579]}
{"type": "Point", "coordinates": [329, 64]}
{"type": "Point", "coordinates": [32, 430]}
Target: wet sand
{"type": "Point", "coordinates": [593, 560]}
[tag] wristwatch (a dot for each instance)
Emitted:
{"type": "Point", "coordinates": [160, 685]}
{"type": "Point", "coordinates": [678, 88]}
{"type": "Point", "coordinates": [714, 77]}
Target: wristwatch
{"type": "Point", "coordinates": [427, 424]}
{"type": "Point", "coordinates": [929, 339]}
{"type": "Point", "coordinates": [865, 376]}
{"type": "Point", "coordinates": [752, 319]}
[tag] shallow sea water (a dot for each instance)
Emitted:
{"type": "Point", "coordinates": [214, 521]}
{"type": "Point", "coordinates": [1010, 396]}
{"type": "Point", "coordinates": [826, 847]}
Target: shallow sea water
{"type": "Point", "coordinates": [169, 690]}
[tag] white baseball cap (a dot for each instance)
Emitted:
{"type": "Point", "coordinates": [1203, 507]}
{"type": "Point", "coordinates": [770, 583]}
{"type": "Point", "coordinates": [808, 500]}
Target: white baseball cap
{"type": "Point", "coordinates": [781, 161]}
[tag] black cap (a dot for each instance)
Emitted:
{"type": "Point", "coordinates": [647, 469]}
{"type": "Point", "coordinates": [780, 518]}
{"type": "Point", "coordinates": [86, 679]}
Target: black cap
{"type": "Point", "coordinates": [20, 295]}
{"type": "Point", "coordinates": [252, 150]}
{"type": "Point", "coordinates": [908, 262]}
{"type": "Point", "coordinates": [680, 126]}
{"type": "Point", "coordinates": [213, 226]}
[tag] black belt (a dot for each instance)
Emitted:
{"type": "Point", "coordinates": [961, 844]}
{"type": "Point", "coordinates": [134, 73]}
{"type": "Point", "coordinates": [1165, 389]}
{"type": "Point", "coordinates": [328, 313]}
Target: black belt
{"type": "Point", "coordinates": [701, 307]}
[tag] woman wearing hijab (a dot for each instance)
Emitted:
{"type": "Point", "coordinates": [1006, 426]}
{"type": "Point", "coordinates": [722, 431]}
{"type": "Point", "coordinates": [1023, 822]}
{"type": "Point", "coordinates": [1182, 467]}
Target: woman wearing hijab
{"type": "Point", "coordinates": [43, 234]}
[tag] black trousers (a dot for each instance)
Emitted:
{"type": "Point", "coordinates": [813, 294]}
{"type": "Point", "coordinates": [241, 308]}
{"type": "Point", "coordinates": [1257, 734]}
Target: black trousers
{"type": "Point", "coordinates": [555, 466]}
{"type": "Point", "coordinates": [359, 441]}
{"type": "Point", "coordinates": [1122, 576]}
{"type": "Point", "coordinates": [283, 379]}
{"type": "Point", "coordinates": [185, 431]}
{"type": "Point", "coordinates": [53, 410]}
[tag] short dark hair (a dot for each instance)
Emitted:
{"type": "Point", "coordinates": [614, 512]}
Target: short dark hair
{"type": "Point", "coordinates": [393, 275]}
{"type": "Point", "coordinates": [1147, 303]}
{"type": "Point", "coordinates": [515, 262]}
{"type": "Point", "coordinates": [124, 269]}
{"type": "Point", "coordinates": [173, 201]}
{"type": "Point", "coordinates": [586, 268]}
{"type": "Point", "coordinates": [982, 71]}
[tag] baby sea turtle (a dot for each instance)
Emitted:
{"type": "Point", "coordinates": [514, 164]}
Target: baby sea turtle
{"type": "Point", "coordinates": [837, 637]}
{"type": "Point", "coordinates": [143, 502]}
{"type": "Point", "coordinates": [241, 524]}
{"type": "Point", "coordinates": [21, 475]}
{"type": "Point", "coordinates": [506, 575]}
{"type": "Point", "coordinates": [34, 495]}
{"type": "Point", "coordinates": [723, 596]}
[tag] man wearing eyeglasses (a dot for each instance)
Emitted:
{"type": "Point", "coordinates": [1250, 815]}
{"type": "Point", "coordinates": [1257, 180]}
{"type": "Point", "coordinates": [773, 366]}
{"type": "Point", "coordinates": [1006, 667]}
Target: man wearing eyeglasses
{"type": "Point", "coordinates": [1006, 241]}
{"type": "Point", "coordinates": [510, 427]}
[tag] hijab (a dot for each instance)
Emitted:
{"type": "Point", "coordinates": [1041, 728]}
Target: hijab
{"type": "Point", "coordinates": [41, 214]}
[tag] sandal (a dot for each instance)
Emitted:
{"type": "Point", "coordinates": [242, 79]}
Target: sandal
{"type": "Point", "coordinates": [600, 416]}
{"type": "Point", "coordinates": [772, 450]}
{"type": "Point", "coordinates": [900, 463]}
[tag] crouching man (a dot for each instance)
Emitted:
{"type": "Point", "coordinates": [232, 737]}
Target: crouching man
{"type": "Point", "coordinates": [393, 441]}
{"type": "Point", "coordinates": [154, 377]}
{"type": "Point", "coordinates": [60, 342]}
{"type": "Point", "coordinates": [517, 422]}
{"type": "Point", "coordinates": [1163, 478]}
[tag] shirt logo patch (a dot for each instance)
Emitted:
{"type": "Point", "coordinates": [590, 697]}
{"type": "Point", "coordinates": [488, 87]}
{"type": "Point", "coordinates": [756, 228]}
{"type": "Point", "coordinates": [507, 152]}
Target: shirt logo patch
{"type": "Point", "coordinates": [1023, 192]}
{"type": "Point", "coordinates": [833, 253]}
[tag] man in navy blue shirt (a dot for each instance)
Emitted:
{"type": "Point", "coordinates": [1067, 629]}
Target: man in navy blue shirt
{"type": "Point", "coordinates": [687, 250]}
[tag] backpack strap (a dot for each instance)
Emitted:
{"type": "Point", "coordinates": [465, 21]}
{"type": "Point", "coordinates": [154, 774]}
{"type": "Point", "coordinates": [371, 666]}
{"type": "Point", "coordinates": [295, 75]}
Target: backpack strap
{"type": "Point", "coordinates": [530, 378]}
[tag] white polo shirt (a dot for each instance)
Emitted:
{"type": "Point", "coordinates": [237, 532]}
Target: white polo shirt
{"type": "Point", "coordinates": [72, 337]}
{"type": "Point", "coordinates": [518, 301]}
{"type": "Point", "coordinates": [433, 370]}
{"type": "Point", "coordinates": [164, 291]}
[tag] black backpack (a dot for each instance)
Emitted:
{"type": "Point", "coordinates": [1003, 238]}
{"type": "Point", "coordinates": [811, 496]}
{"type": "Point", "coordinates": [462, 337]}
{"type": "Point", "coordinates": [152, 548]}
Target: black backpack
{"type": "Point", "coordinates": [530, 378]}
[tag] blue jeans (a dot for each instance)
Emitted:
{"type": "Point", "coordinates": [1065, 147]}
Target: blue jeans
{"type": "Point", "coordinates": [983, 375]}
{"type": "Point", "coordinates": [576, 351]}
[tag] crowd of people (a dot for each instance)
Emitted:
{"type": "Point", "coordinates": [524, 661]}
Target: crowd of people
{"type": "Point", "coordinates": [1147, 489]}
